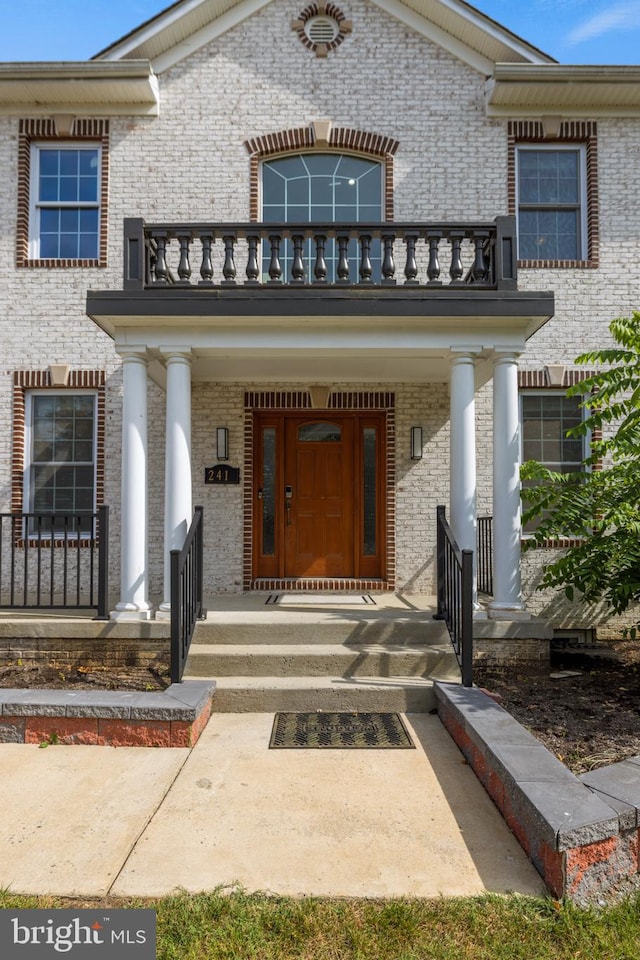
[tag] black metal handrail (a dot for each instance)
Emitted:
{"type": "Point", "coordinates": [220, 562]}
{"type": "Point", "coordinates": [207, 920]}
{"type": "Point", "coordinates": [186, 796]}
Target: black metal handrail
{"type": "Point", "coordinates": [484, 555]}
{"type": "Point", "coordinates": [55, 561]}
{"type": "Point", "coordinates": [186, 595]}
{"type": "Point", "coordinates": [225, 255]}
{"type": "Point", "coordinates": [455, 594]}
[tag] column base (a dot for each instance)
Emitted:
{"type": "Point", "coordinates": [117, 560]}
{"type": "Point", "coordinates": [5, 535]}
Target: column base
{"type": "Point", "coordinates": [131, 612]}
{"type": "Point", "coordinates": [508, 611]}
{"type": "Point", "coordinates": [164, 611]}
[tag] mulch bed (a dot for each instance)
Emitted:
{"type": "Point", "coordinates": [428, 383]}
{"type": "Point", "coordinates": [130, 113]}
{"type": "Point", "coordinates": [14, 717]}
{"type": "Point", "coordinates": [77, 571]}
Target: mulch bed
{"type": "Point", "coordinates": [587, 720]}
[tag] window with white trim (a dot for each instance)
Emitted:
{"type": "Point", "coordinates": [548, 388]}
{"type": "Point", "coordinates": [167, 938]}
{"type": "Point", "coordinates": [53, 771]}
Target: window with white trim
{"type": "Point", "coordinates": [546, 417]}
{"type": "Point", "coordinates": [551, 202]}
{"type": "Point", "coordinates": [60, 458]}
{"type": "Point", "coordinates": [64, 222]}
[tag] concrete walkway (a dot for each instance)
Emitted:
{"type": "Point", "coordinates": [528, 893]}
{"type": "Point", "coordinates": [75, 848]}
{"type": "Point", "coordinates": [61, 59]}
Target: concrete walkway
{"type": "Point", "coordinates": [91, 821]}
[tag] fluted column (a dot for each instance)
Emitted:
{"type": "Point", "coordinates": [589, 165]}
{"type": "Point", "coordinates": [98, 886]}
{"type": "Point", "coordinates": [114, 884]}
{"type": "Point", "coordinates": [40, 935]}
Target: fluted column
{"type": "Point", "coordinates": [507, 598]}
{"type": "Point", "coordinates": [134, 561]}
{"type": "Point", "coordinates": [178, 510]}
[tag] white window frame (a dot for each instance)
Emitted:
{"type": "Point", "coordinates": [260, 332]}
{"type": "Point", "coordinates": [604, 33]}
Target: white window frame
{"type": "Point", "coordinates": [586, 440]}
{"type": "Point", "coordinates": [28, 487]}
{"type": "Point", "coordinates": [583, 218]}
{"type": "Point", "coordinates": [35, 204]}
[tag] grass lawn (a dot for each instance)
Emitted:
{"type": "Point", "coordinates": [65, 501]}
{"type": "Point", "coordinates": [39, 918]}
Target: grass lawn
{"type": "Point", "coordinates": [235, 926]}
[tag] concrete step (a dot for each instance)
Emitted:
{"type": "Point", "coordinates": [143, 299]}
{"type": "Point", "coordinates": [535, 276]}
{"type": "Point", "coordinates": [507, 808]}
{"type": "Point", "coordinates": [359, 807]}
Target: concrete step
{"type": "Point", "coordinates": [317, 660]}
{"type": "Point", "coordinates": [270, 694]}
{"type": "Point", "coordinates": [268, 627]}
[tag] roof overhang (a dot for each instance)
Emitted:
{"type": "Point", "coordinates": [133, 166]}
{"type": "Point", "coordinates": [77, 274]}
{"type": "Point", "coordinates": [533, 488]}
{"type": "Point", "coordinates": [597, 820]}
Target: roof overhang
{"type": "Point", "coordinates": [95, 88]}
{"type": "Point", "coordinates": [533, 90]}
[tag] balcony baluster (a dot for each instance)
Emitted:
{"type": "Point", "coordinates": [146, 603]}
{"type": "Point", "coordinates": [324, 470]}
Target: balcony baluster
{"type": "Point", "coordinates": [206, 267]}
{"type": "Point", "coordinates": [320, 268]}
{"type": "Point", "coordinates": [343, 259]}
{"type": "Point", "coordinates": [366, 270]}
{"type": "Point", "coordinates": [433, 270]}
{"type": "Point", "coordinates": [388, 263]}
{"type": "Point", "coordinates": [411, 267]}
{"type": "Point", "coordinates": [297, 265]}
{"type": "Point", "coordinates": [252, 271]}
{"type": "Point", "coordinates": [229, 271]}
{"type": "Point", "coordinates": [184, 265]}
{"type": "Point", "coordinates": [275, 267]}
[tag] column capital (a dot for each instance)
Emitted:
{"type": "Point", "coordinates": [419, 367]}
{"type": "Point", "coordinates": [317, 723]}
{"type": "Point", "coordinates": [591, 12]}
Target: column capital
{"type": "Point", "coordinates": [506, 356]}
{"type": "Point", "coordinates": [169, 354]}
{"type": "Point", "coordinates": [133, 352]}
{"type": "Point", "coordinates": [460, 353]}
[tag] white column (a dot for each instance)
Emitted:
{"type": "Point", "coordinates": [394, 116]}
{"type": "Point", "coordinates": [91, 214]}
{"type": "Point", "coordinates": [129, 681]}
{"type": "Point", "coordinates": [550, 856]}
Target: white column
{"type": "Point", "coordinates": [462, 484]}
{"type": "Point", "coordinates": [178, 509]}
{"type": "Point", "coordinates": [507, 598]}
{"type": "Point", "coordinates": [134, 565]}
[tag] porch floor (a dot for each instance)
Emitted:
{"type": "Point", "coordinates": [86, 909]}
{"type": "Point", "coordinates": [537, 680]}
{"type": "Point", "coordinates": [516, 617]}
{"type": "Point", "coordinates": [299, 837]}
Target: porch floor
{"type": "Point", "coordinates": [373, 823]}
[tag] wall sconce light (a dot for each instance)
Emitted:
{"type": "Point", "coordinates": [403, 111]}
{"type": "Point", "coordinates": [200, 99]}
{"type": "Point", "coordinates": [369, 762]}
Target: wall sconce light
{"type": "Point", "coordinates": [416, 443]}
{"type": "Point", "coordinates": [222, 443]}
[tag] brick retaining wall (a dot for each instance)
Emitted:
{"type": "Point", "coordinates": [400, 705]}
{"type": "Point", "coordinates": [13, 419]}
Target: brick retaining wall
{"type": "Point", "coordinates": [174, 717]}
{"type": "Point", "coordinates": [581, 833]}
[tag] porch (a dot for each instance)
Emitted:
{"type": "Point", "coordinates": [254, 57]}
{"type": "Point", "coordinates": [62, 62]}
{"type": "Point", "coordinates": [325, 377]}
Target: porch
{"type": "Point", "coordinates": [309, 306]}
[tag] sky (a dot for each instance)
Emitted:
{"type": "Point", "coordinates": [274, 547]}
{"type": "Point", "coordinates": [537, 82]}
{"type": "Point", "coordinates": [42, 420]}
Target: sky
{"type": "Point", "coordinates": [572, 31]}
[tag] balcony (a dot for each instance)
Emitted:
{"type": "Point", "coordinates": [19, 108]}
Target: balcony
{"type": "Point", "coordinates": [320, 256]}
{"type": "Point", "coordinates": [302, 293]}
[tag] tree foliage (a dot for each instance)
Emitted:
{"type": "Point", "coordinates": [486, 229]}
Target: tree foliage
{"type": "Point", "coordinates": [600, 504]}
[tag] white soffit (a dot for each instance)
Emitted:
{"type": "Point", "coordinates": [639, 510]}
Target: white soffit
{"type": "Point", "coordinates": [453, 24]}
{"type": "Point", "coordinates": [525, 90]}
{"type": "Point", "coordinates": [82, 89]}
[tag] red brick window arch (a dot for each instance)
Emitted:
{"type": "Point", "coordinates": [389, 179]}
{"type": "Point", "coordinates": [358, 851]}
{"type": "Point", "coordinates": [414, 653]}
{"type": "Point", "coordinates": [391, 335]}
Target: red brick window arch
{"type": "Point", "coordinates": [322, 137]}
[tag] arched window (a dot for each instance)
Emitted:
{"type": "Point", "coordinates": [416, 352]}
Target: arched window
{"type": "Point", "coordinates": [324, 188]}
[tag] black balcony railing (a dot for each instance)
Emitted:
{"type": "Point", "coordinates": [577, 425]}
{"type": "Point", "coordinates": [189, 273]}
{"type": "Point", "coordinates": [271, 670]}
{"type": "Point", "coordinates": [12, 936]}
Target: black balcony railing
{"type": "Point", "coordinates": [224, 255]}
{"type": "Point", "coordinates": [455, 594]}
{"type": "Point", "coordinates": [186, 595]}
{"type": "Point", "coordinates": [55, 561]}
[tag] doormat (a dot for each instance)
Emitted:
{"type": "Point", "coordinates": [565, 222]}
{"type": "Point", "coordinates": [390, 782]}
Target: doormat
{"type": "Point", "coordinates": [342, 731]}
{"type": "Point", "coordinates": [320, 599]}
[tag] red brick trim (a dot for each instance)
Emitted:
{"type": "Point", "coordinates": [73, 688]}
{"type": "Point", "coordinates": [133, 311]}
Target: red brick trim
{"type": "Point", "coordinates": [303, 139]}
{"type": "Point", "coordinates": [44, 129]}
{"type": "Point", "coordinates": [356, 400]}
{"type": "Point", "coordinates": [24, 380]}
{"type": "Point", "coordinates": [539, 378]}
{"type": "Point", "coordinates": [571, 131]}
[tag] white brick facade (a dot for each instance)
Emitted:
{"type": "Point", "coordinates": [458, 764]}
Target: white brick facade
{"type": "Point", "coordinates": [190, 164]}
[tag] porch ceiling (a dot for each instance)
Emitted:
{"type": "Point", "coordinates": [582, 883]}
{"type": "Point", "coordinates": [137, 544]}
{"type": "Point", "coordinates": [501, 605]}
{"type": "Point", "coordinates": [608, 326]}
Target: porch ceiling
{"type": "Point", "coordinates": [384, 335]}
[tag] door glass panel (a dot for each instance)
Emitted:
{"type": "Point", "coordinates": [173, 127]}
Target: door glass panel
{"type": "Point", "coordinates": [319, 433]}
{"type": "Point", "coordinates": [369, 499]}
{"type": "Point", "coordinates": [268, 491]}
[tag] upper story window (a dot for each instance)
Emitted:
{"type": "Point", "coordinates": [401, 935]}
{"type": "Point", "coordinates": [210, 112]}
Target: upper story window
{"type": "Point", "coordinates": [65, 202]}
{"type": "Point", "coordinates": [62, 193]}
{"type": "Point", "coordinates": [553, 192]}
{"type": "Point", "coordinates": [324, 188]}
{"type": "Point", "coordinates": [552, 202]}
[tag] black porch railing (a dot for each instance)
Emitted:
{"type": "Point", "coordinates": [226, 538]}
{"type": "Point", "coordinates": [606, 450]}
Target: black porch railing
{"type": "Point", "coordinates": [55, 561]}
{"type": "Point", "coordinates": [227, 255]}
{"type": "Point", "coordinates": [455, 594]}
{"type": "Point", "coordinates": [484, 555]}
{"type": "Point", "coordinates": [186, 595]}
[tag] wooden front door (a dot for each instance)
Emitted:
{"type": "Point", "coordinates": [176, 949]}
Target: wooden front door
{"type": "Point", "coordinates": [319, 495]}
